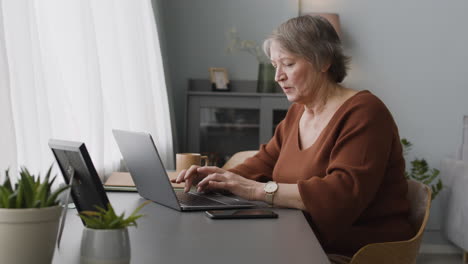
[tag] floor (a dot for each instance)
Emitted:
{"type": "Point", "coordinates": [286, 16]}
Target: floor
{"type": "Point", "coordinates": [440, 259]}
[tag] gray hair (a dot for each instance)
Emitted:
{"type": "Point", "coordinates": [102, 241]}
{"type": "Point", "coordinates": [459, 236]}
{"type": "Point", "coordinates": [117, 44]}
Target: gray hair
{"type": "Point", "coordinates": [315, 39]}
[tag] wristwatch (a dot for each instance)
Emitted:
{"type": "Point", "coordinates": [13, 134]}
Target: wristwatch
{"type": "Point", "coordinates": [270, 189]}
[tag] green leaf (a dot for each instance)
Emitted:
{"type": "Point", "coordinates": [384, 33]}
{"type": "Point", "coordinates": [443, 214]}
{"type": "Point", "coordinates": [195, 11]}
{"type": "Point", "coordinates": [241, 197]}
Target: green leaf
{"type": "Point", "coordinates": [7, 183]}
{"type": "Point", "coordinates": [5, 193]}
{"type": "Point", "coordinates": [36, 204]}
{"type": "Point", "coordinates": [108, 219]}
{"type": "Point", "coordinates": [420, 171]}
{"type": "Point", "coordinates": [439, 185]}
{"type": "Point", "coordinates": [139, 208]}
{"type": "Point", "coordinates": [115, 223]}
{"type": "Point", "coordinates": [19, 198]}
{"type": "Point", "coordinates": [41, 194]}
{"type": "Point", "coordinates": [91, 221]}
{"type": "Point", "coordinates": [29, 191]}
{"type": "Point", "coordinates": [1, 200]}
{"type": "Point", "coordinates": [52, 200]}
{"type": "Point", "coordinates": [48, 173]}
{"type": "Point", "coordinates": [90, 213]}
{"type": "Point", "coordinates": [12, 200]}
{"type": "Point", "coordinates": [26, 176]}
{"type": "Point", "coordinates": [406, 146]}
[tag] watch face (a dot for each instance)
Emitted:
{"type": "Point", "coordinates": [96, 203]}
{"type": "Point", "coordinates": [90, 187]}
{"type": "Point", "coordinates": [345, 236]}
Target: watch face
{"type": "Point", "coordinates": [270, 187]}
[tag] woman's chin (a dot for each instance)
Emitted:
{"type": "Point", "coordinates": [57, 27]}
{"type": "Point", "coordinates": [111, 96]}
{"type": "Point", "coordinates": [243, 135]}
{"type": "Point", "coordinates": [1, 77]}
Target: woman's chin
{"type": "Point", "coordinates": [291, 98]}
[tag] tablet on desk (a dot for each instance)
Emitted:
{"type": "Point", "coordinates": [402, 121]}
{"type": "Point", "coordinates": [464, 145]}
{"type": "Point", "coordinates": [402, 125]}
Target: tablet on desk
{"type": "Point", "coordinates": [78, 171]}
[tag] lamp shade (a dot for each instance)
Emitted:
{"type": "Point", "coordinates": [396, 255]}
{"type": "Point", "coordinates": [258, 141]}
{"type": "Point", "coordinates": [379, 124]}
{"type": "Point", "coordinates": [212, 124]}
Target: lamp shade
{"type": "Point", "coordinates": [334, 19]}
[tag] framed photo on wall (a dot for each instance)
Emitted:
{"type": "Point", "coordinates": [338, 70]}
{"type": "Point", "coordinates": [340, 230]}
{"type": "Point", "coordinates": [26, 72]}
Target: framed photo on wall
{"type": "Point", "coordinates": [219, 79]}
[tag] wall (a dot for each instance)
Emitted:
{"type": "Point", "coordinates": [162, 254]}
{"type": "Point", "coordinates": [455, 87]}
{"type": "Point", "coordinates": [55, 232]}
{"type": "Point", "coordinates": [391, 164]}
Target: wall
{"type": "Point", "coordinates": [195, 33]}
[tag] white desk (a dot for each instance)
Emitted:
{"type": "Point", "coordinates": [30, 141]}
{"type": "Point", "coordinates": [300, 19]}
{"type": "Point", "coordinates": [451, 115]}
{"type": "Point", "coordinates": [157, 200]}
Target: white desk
{"type": "Point", "coordinates": [167, 236]}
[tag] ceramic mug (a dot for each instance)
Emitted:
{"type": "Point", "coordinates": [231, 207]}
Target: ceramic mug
{"type": "Point", "coordinates": [186, 160]}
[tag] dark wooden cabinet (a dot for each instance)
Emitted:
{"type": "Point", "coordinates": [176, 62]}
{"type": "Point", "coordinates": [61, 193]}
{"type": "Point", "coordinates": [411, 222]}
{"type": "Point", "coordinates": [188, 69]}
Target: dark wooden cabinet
{"type": "Point", "coordinates": [221, 124]}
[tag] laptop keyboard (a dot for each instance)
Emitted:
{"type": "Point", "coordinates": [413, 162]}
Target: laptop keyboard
{"type": "Point", "coordinates": [195, 200]}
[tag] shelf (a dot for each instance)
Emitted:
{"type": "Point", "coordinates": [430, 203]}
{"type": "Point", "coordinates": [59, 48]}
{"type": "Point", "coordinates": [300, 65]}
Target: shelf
{"type": "Point", "coordinates": [229, 125]}
{"type": "Point", "coordinates": [228, 94]}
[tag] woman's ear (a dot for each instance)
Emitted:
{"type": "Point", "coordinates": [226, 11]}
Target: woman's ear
{"type": "Point", "coordinates": [326, 67]}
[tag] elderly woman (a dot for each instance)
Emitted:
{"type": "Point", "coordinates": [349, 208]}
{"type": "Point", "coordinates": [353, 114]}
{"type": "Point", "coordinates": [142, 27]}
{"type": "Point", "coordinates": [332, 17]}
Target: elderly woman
{"type": "Point", "coordinates": [337, 154]}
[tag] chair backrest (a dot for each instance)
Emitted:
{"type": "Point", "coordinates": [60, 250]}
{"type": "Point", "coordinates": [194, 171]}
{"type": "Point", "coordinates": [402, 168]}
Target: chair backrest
{"type": "Point", "coordinates": [419, 196]}
{"type": "Point", "coordinates": [238, 158]}
{"type": "Point", "coordinates": [401, 252]}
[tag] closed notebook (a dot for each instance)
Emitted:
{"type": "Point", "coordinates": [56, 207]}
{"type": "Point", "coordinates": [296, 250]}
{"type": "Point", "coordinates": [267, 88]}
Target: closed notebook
{"type": "Point", "coordinates": [122, 181]}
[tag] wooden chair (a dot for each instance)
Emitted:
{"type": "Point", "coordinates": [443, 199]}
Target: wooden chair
{"type": "Point", "coordinates": [401, 252]}
{"type": "Point", "coordinates": [238, 158]}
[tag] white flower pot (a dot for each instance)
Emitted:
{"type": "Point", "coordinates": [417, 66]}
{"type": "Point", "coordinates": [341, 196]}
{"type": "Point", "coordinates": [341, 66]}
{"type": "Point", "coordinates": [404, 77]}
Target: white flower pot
{"type": "Point", "coordinates": [28, 235]}
{"type": "Point", "coordinates": [105, 246]}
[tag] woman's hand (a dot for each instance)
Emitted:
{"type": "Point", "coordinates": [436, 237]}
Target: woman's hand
{"type": "Point", "coordinates": [190, 176]}
{"type": "Point", "coordinates": [218, 179]}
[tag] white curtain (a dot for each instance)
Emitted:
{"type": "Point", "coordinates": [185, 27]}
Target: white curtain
{"type": "Point", "coordinates": [79, 68]}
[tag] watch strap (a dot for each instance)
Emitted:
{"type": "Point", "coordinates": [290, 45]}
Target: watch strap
{"type": "Point", "coordinates": [269, 196]}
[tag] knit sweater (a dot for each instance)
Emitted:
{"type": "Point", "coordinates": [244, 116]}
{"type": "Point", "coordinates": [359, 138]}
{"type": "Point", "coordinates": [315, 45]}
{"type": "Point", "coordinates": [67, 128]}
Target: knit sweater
{"type": "Point", "coordinates": [351, 180]}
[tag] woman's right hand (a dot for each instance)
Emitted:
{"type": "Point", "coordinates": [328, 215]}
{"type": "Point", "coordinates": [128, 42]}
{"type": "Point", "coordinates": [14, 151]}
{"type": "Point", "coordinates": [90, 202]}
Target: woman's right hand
{"type": "Point", "coordinates": [190, 176]}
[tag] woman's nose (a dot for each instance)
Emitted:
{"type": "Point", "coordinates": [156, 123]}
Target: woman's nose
{"type": "Point", "coordinates": [279, 75]}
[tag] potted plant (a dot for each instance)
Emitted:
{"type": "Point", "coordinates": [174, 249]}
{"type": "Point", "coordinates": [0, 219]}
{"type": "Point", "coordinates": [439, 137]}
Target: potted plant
{"type": "Point", "coordinates": [421, 172]}
{"type": "Point", "coordinates": [266, 72]}
{"type": "Point", "coordinates": [105, 236]}
{"type": "Point", "coordinates": [29, 218]}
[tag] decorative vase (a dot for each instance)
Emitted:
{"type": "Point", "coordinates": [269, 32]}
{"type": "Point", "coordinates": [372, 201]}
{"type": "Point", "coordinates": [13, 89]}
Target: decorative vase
{"type": "Point", "coordinates": [28, 235]}
{"type": "Point", "coordinates": [110, 246]}
{"type": "Point", "coordinates": [266, 79]}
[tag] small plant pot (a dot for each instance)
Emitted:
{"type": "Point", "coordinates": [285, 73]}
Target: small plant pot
{"type": "Point", "coordinates": [28, 235]}
{"type": "Point", "coordinates": [109, 246]}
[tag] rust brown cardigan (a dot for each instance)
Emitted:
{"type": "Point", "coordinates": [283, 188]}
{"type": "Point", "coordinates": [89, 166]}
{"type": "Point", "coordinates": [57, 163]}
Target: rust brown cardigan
{"type": "Point", "coordinates": [351, 179]}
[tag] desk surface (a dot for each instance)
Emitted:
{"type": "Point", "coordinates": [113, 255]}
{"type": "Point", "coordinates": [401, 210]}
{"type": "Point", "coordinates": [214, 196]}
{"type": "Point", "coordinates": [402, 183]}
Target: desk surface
{"type": "Point", "coordinates": [168, 236]}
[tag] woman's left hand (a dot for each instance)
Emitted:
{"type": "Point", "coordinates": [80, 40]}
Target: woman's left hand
{"type": "Point", "coordinates": [219, 179]}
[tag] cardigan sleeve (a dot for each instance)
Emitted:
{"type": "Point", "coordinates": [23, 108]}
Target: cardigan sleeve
{"type": "Point", "coordinates": [357, 165]}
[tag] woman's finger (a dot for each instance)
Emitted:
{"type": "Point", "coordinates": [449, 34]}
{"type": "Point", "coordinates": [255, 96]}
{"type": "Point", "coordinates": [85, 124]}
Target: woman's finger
{"type": "Point", "coordinates": [180, 177]}
{"type": "Point", "coordinates": [211, 177]}
{"type": "Point", "coordinates": [188, 183]}
{"type": "Point", "coordinates": [212, 185]}
{"type": "Point", "coordinates": [188, 178]}
{"type": "Point", "coordinates": [217, 185]}
{"type": "Point", "coordinates": [191, 171]}
{"type": "Point", "coordinates": [203, 182]}
{"type": "Point", "coordinates": [210, 169]}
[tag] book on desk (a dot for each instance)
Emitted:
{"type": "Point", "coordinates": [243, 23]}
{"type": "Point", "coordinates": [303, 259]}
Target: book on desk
{"type": "Point", "coordinates": [122, 181]}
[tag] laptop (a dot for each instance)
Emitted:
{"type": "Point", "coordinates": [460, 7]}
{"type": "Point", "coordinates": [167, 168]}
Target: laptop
{"type": "Point", "coordinates": [147, 170]}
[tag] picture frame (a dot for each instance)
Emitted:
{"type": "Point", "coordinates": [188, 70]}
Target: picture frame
{"type": "Point", "coordinates": [219, 79]}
